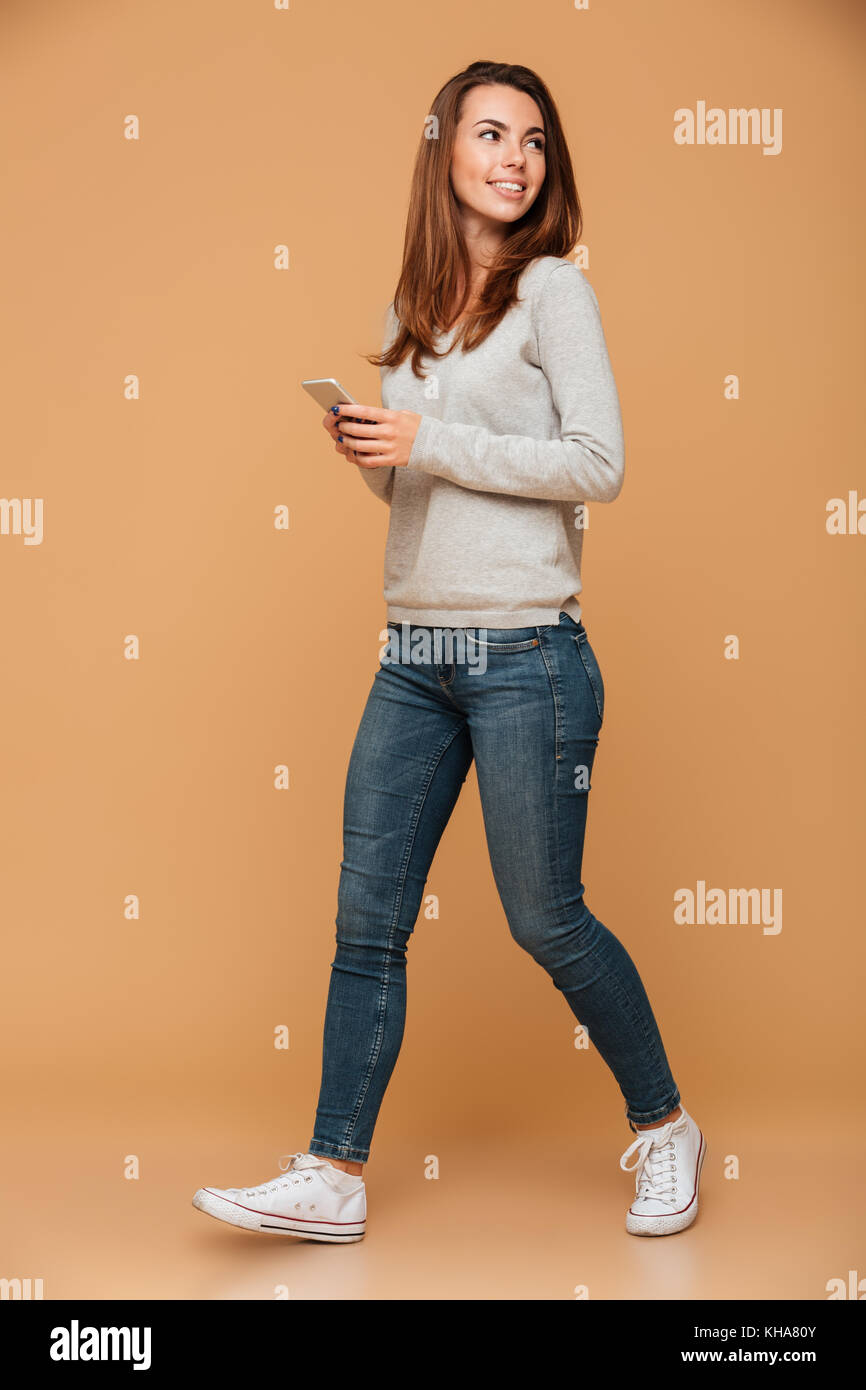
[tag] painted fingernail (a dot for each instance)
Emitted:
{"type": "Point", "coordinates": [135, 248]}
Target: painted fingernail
{"type": "Point", "coordinates": [335, 409]}
{"type": "Point", "coordinates": [340, 437]}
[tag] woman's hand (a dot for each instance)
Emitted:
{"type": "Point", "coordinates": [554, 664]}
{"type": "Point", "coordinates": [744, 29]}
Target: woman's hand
{"type": "Point", "coordinates": [385, 443]}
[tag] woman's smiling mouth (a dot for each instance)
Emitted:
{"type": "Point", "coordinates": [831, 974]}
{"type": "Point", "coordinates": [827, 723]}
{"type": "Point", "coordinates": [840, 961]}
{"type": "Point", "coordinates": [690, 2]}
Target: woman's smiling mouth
{"type": "Point", "coordinates": [508, 188]}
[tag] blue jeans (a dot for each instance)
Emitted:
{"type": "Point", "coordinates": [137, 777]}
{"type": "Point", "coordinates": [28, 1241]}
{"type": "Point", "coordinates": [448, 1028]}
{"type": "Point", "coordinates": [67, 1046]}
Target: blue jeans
{"type": "Point", "coordinates": [529, 712]}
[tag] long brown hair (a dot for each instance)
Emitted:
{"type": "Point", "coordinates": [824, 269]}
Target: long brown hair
{"type": "Point", "coordinates": [434, 247]}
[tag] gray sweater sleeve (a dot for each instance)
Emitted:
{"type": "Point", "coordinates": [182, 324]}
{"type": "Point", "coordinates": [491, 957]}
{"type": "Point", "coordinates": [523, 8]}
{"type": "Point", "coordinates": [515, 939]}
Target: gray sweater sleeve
{"type": "Point", "coordinates": [380, 480]}
{"type": "Point", "coordinates": [587, 462]}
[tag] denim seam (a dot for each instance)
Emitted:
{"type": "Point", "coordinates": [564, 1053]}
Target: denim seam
{"type": "Point", "coordinates": [625, 999]}
{"type": "Point", "coordinates": [443, 686]}
{"type": "Point", "coordinates": [507, 647]}
{"type": "Point", "coordinates": [557, 710]}
{"type": "Point", "coordinates": [598, 705]}
{"type": "Point", "coordinates": [646, 1117]}
{"type": "Point", "coordinates": [628, 1007]}
{"type": "Point", "coordinates": [326, 1150]}
{"type": "Point", "coordinates": [386, 973]}
{"type": "Point", "coordinates": [525, 646]}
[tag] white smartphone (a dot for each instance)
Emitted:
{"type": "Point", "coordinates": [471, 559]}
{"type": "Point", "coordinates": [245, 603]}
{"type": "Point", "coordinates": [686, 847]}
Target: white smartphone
{"type": "Point", "coordinates": [327, 391]}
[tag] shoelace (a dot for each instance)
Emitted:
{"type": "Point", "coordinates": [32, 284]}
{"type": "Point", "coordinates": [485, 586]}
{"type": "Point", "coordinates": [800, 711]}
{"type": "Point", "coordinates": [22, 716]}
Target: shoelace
{"type": "Point", "coordinates": [296, 1161]}
{"type": "Point", "coordinates": [655, 1166]}
{"type": "Point", "coordinates": [300, 1160]}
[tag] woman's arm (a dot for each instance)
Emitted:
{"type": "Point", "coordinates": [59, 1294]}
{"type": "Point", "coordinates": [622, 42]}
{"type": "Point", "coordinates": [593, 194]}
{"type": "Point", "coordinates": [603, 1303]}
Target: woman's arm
{"type": "Point", "coordinates": [381, 480]}
{"type": "Point", "coordinates": [587, 462]}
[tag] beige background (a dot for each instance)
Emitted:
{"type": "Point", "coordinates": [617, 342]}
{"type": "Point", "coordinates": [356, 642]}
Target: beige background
{"type": "Point", "coordinates": [154, 777]}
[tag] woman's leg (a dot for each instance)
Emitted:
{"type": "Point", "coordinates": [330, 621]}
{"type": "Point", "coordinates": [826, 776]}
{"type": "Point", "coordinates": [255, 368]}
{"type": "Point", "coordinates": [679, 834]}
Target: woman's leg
{"type": "Point", "coordinates": [409, 760]}
{"type": "Point", "coordinates": [535, 717]}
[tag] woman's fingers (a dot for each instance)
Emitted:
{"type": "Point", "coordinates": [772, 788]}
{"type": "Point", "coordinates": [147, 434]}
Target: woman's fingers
{"type": "Point", "coordinates": [376, 414]}
{"type": "Point", "coordinates": [334, 430]}
{"type": "Point", "coordinates": [375, 440]}
{"type": "Point", "coordinates": [359, 448]}
{"type": "Point", "coordinates": [359, 423]}
{"type": "Point", "coordinates": [331, 426]}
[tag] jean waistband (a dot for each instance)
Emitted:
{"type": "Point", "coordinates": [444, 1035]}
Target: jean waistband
{"type": "Point", "coordinates": [511, 634]}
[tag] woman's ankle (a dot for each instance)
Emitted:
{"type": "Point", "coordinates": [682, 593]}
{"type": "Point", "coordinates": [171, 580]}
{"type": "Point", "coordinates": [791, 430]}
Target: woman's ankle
{"type": "Point", "coordinates": [348, 1165]}
{"type": "Point", "coordinates": [657, 1124]}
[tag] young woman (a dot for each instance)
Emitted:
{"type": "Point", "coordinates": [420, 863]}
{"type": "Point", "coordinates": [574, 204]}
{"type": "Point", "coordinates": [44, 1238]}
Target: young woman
{"type": "Point", "coordinates": [500, 419]}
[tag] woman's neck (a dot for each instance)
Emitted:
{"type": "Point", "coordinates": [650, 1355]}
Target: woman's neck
{"type": "Point", "coordinates": [479, 275]}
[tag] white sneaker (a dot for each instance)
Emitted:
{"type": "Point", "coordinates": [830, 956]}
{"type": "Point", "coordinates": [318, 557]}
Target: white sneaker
{"type": "Point", "coordinates": [667, 1175]}
{"type": "Point", "coordinates": [312, 1198]}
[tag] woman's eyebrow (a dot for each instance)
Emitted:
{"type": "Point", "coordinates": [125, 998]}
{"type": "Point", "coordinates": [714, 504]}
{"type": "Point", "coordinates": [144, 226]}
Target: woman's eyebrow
{"type": "Point", "coordinates": [488, 120]}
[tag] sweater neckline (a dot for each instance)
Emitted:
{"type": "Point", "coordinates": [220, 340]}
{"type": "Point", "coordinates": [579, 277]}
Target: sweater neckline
{"type": "Point", "coordinates": [448, 335]}
{"type": "Point", "coordinates": [445, 340]}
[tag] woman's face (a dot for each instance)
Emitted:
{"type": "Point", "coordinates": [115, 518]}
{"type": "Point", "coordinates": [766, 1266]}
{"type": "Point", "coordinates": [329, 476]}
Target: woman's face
{"type": "Point", "coordinates": [499, 139]}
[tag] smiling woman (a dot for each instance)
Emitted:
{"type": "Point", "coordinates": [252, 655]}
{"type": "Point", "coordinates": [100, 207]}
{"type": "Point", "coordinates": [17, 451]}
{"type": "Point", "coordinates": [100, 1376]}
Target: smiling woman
{"type": "Point", "coordinates": [467, 165]}
{"type": "Point", "coordinates": [486, 477]}
{"type": "Point", "coordinates": [495, 190]}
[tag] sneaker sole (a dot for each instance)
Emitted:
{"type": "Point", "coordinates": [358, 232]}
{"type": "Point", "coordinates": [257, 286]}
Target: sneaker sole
{"type": "Point", "coordinates": [677, 1221]}
{"type": "Point", "coordinates": [247, 1219]}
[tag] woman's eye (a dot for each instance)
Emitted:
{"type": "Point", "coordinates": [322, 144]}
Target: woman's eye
{"type": "Point", "coordinates": [536, 139]}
